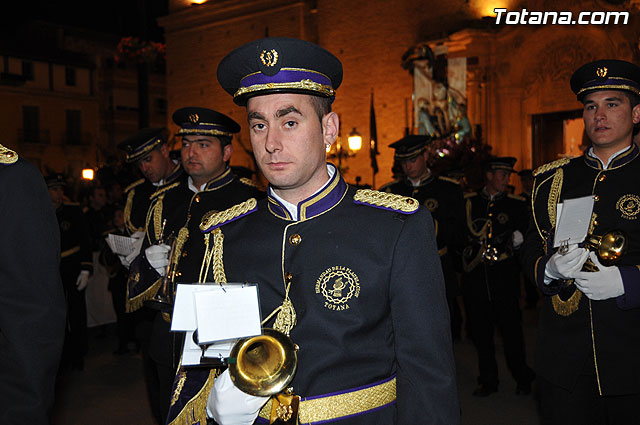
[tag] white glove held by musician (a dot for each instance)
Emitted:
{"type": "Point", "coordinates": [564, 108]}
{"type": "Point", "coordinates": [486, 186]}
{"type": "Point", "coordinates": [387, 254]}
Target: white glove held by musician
{"type": "Point", "coordinates": [158, 257]}
{"type": "Point", "coordinates": [82, 280]}
{"type": "Point", "coordinates": [137, 246]}
{"type": "Point", "coordinates": [565, 266]}
{"type": "Point", "coordinates": [601, 285]}
{"type": "Point", "coordinates": [227, 405]}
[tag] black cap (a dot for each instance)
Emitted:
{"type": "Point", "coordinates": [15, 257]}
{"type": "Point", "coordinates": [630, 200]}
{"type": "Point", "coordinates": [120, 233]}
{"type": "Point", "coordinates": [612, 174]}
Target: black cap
{"type": "Point", "coordinates": [502, 163]}
{"type": "Point", "coordinates": [606, 74]}
{"type": "Point", "coordinates": [206, 122]}
{"type": "Point", "coordinates": [409, 146]}
{"type": "Point", "coordinates": [279, 65]}
{"type": "Point", "coordinates": [141, 143]}
{"type": "Point", "coordinates": [55, 179]}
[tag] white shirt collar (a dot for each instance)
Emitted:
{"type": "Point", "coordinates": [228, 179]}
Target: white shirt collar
{"type": "Point", "coordinates": [611, 158]}
{"type": "Point", "coordinates": [293, 208]}
{"type": "Point", "coordinates": [193, 187]}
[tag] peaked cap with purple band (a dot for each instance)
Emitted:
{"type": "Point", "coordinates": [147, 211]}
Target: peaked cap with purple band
{"type": "Point", "coordinates": [279, 65]}
{"type": "Point", "coordinates": [142, 143]}
{"type": "Point", "coordinates": [206, 122]}
{"type": "Point", "coordinates": [606, 74]}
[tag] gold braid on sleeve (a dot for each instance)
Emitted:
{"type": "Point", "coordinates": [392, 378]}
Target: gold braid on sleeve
{"type": "Point", "coordinates": [213, 254]}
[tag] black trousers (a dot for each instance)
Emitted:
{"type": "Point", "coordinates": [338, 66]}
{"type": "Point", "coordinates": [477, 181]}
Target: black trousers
{"type": "Point", "coordinates": [584, 406]}
{"type": "Point", "coordinates": [491, 298]}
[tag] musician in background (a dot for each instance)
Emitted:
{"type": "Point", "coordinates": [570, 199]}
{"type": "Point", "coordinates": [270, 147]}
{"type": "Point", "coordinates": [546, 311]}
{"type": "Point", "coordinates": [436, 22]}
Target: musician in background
{"type": "Point", "coordinates": [491, 285]}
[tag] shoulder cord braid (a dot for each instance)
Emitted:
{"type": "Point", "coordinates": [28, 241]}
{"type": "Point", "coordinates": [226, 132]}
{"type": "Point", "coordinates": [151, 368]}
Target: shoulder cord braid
{"type": "Point", "coordinates": [482, 233]}
{"type": "Point", "coordinates": [568, 307]}
{"type": "Point", "coordinates": [127, 213]}
{"type": "Point", "coordinates": [286, 313]}
{"type": "Point", "coordinates": [183, 235]}
{"type": "Point", "coordinates": [157, 219]}
{"type": "Point", "coordinates": [214, 254]}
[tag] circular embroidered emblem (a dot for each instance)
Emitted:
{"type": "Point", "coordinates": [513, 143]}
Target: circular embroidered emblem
{"type": "Point", "coordinates": [629, 206]}
{"type": "Point", "coordinates": [194, 118]}
{"type": "Point", "coordinates": [65, 226]}
{"type": "Point", "coordinates": [502, 218]}
{"type": "Point", "coordinates": [431, 204]}
{"type": "Point", "coordinates": [269, 58]}
{"type": "Point", "coordinates": [338, 285]}
{"type": "Point", "coordinates": [601, 72]}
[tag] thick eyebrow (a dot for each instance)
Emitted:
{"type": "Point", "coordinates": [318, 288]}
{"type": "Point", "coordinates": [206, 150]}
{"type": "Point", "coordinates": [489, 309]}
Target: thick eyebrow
{"type": "Point", "coordinates": [285, 111]}
{"type": "Point", "coordinates": [255, 116]}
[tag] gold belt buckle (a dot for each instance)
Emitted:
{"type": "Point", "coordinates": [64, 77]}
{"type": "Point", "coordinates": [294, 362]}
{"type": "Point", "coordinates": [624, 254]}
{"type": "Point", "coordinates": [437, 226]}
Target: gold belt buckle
{"type": "Point", "coordinates": [284, 409]}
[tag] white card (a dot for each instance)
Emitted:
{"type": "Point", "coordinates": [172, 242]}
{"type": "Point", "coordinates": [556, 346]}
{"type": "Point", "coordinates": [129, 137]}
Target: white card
{"type": "Point", "coordinates": [572, 226]}
{"type": "Point", "coordinates": [231, 312]}
{"type": "Point", "coordinates": [184, 306]}
{"type": "Point", "coordinates": [191, 352]}
{"type": "Point", "coordinates": [121, 245]}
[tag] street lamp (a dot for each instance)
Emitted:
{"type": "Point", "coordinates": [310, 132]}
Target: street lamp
{"type": "Point", "coordinates": [341, 150]}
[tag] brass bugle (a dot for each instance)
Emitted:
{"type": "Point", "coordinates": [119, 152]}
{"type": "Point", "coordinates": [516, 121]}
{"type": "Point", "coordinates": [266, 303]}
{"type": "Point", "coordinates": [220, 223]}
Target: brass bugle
{"type": "Point", "coordinates": [609, 247]}
{"type": "Point", "coordinates": [263, 365]}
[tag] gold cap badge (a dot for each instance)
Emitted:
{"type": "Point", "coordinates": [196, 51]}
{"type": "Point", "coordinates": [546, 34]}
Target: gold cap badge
{"type": "Point", "coordinates": [601, 72]}
{"type": "Point", "coordinates": [194, 118]}
{"type": "Point", "coordinates": [269, 58]}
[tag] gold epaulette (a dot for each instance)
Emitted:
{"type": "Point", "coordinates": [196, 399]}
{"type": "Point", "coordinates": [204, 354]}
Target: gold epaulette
{"type": "Point", "coordinates": [163, 190]}
{"type": "Point", "coordinates": [214, 219]}
{"type": "Point", "coordinates": [449, 179]}
{"type": "Point", "coordinates": [249, 182]}
{"type": "Point", "coordinates": [7, 156]}
{"type": "Point", "coordinates": [519, 198]}
{"type": "Point", "coordinates": [550, 166]}
{"type": "Point", "coordinates": [374, 198]}
{"type": "Point", "coordinates": [132, 185]}
{"type": "Point", "coordinates": [470, 194]}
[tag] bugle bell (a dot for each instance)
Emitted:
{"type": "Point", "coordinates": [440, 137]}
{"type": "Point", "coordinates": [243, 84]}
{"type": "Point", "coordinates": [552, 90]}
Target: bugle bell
{"type": "Point", "coordinates": [263, 365]}
{"type": "Point", "coordinates": [609, 247]}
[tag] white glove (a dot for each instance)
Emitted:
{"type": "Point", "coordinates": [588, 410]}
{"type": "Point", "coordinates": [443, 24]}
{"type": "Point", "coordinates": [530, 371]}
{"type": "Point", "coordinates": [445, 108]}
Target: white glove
{"type": "Point", "coordinates": [158, 257]}
{"type": "Point", "coordinates": [137, 246]}
{"type": "Point", "coordinates": [82, 280]}
{"type": "Point", "coordinates": [517, 239]}
{"type": "Point", "coordinates": [227, 405]}
{"type": "Point", "coordinates": [601, 285]}
{"type": "Point", "coordinates": [565, 266]}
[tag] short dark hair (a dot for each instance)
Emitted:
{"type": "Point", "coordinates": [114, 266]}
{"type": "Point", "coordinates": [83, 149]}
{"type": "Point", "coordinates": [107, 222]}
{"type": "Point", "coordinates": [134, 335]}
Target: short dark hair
{"type": "Point", "coordinates": [322, 105]}
{"type": "Point", "coordinates": [224, 140]}
{"type": "Point", "coordinates": [634, 99]}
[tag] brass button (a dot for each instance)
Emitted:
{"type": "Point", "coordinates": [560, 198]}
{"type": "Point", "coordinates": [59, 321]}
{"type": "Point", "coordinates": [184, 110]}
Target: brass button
{"type": "Point", "coordinates": [197, 198]}
{"type": "Point", "coordinates": [295, 239]}
{"type": "Point", "coordinates": [288, 276]}
{"type": "Point", "coordinates": [410, 201]}
{"type": "Point", "coordinates": [491, 204]}
{"type": "Point", "coordinates": [602, 177]}
{"type": "Point", "coordinates": [490, 214]}
{"type": "Point", "coordinates": [184, 254]}
{"type": "Point", "coordinates": [595, 223]}
{"type": "Point", "coordinates": [596, 198]}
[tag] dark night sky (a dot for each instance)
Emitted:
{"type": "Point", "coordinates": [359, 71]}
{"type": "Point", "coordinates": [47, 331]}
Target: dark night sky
{"type": "Point", "coordinates": [121, 17]}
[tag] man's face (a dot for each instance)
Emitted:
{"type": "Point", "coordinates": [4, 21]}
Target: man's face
{"type": "Point", "coordinates": [415, 167]}
{"type": "Point", "coordinates": [57, 196]}
{"type": "Point", "coordinates": [609, 119]}
{"type": "Point", "coordinates": [98, 198]}
{"type": "Point", "coordinates": [203, 157]}
{"type": "Point", "coordinates": [156, 165]}
{"type": "Point", "coordinates": [498, 180]}
{"type": "Point", "coordinates": [289, 142]}
{"type": "Point", "coordinates": [118, 219]}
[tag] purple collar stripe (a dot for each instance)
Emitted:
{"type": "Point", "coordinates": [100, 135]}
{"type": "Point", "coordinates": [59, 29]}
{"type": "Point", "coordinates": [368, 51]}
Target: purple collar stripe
{"type": "Point", "coordinates": [221, 180]}
{"type": "Point", "coordinates": [350, 390]}
{"type": "Point", "coordinates": [277, 208]}
{"type": "Point", "coordinates": [285, 76]}
{"type": "Point", "coordinates": [327, 198]}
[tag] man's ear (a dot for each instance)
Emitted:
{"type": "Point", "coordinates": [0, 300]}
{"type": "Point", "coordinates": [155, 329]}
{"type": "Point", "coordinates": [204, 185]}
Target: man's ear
{"type": "Point", "coordinates": [227, 150]}
{"type": "Point", "coordinates": [635, 114]}
{"type": "Point", "coordinates": [330, 128]}
{"type": "Point", "coordinates": [164, 150]}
